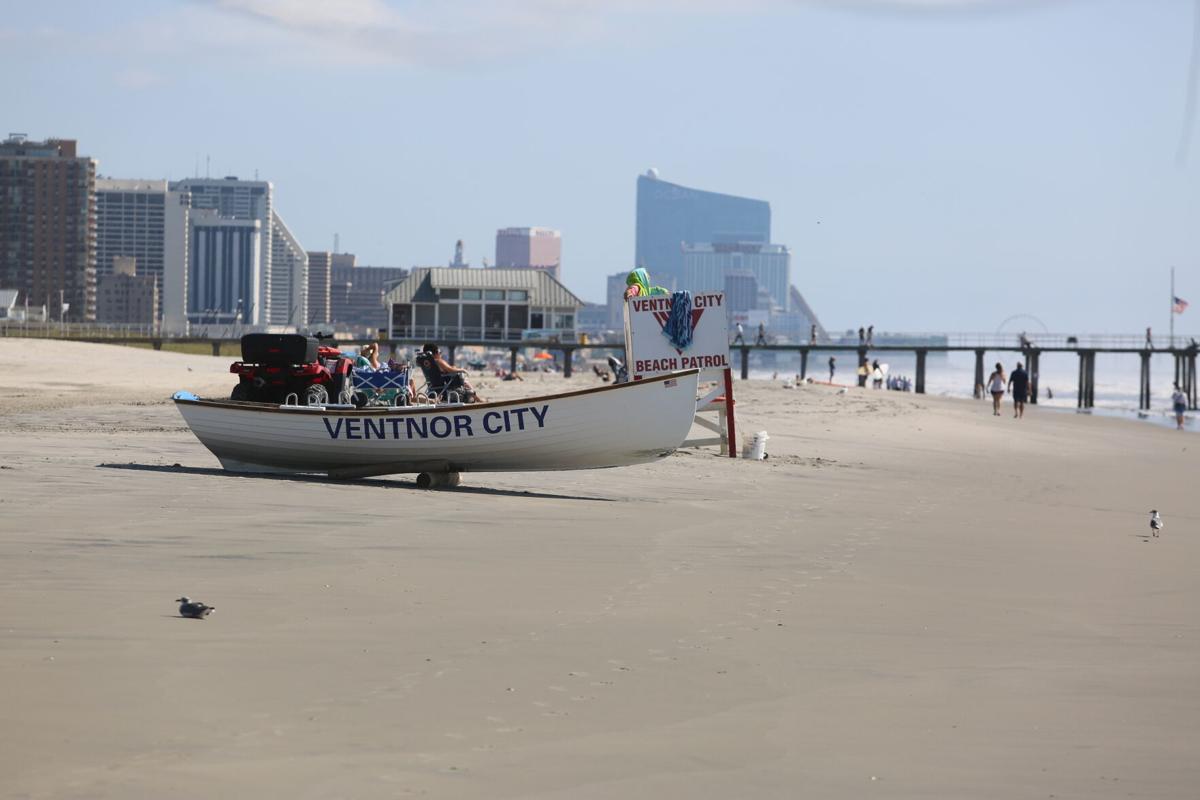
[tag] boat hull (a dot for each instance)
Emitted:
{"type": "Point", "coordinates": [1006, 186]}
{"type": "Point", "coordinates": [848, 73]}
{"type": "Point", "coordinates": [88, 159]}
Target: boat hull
{"type": "Point", "coordinates": [610, 426]}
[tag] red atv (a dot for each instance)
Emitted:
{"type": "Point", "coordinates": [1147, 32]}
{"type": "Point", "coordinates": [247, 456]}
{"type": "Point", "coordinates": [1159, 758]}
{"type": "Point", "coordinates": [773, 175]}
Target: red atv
{"type": "Point", "coordinates": [275, 366]}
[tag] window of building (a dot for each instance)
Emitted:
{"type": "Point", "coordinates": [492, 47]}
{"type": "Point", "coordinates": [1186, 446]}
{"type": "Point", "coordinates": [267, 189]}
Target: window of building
{"type": "Point", "coordinates": [424, 315]}
{"type": "Point", "coordinates": [493, 320]}
{"type": "Point", "coordinates": [472, 294]}
{"type": "Point", "coordinates": [536, 319]}
{"type": "Point", "coordinates": [472, 320]}
{"type": "Point", "coordinates": [564, 321]}
{"type": "Point", "coordinates": [515, 294]}
{"type": "Point", "coordinates": [493, 294]}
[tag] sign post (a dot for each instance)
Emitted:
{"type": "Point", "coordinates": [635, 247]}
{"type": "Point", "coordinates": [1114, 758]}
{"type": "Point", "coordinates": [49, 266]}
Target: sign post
{"type": "Point", "coordinates": [649, 352]}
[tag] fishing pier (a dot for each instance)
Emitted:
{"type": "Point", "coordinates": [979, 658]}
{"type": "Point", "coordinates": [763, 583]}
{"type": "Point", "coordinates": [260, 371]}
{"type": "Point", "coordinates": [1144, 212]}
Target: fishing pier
{"type": "Point", "coordinates": [1184, 361]}
{"type": "Point", "coordinates": [1085, 347]}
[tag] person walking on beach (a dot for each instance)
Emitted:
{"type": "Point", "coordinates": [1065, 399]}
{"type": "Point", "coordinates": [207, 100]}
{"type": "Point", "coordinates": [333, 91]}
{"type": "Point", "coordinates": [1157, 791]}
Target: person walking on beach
{"type": "Point", "coordinates": [1179, 404]}
{"type": "Point", "coordinates": [870, 335]}
{"type": "Point", "coordinates": [876, 374]}
{"type": "Point", "coordinates": [1018, 384]}
{"type": "Point", "coordinates": [995, 385]}
{"type": "Point", "coordinates": [1149, 340]}
{"type": "Point", "coordinates": [762, 334]}
{"type": "Point", "coordinates": [862, 335]}
{"type": "Point", "coordinates": [741, 335]}
{"type": "Point", "coordinates": [831, 368]}
{"type": "Point", "coordinates": [812, 335]}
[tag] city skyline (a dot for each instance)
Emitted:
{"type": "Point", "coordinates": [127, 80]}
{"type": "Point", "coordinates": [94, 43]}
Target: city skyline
{"type": "Point", "coordinates": [938, 165]}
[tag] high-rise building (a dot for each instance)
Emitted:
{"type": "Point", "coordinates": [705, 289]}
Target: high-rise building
{"type": "Point", "coordinates": [320, 264]}
{"type": "Point", "coordinates": [289, 277]}
{"type": "Point", "coordinates": [125, 297]}
{"type": "Point", "coordinates": [668, 215]}
{"type": "Point", "coordinates": [222, 281]}
{"type": "Point", "coordinates": [356, 294]}
{"type": "Point", "coordinates": [283, 276]}
{"type": "Point", "coordinates": [615, 293]}
{"type": "Point", "coordinates": [705, 266]}
{"type": "Point", "coordinates": [130, 223]}
{"type": "Point", "coordinates": [741, 290]}
{"type": "Point", "coordinates": [132, 217]}
{"type": "Point", "coordinates": [48, 226]}
{"type": "Point", "coordinates": [530, 248]}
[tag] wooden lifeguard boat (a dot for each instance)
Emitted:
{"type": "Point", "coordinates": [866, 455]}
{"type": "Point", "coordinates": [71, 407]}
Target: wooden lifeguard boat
{"type": "Point", "coordinates": [607, 426]}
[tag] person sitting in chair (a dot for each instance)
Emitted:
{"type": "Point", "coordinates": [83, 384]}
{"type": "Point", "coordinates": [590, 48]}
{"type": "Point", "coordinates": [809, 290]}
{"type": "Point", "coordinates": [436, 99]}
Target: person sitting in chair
{"type": "Point", "coordinates": [452, 378]}
{"type": "Point", "coordinates": [368, 357]}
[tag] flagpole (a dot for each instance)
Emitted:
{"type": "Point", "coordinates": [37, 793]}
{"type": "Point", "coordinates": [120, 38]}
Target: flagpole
{"type": "Point", "coordinates": [1172, 308]}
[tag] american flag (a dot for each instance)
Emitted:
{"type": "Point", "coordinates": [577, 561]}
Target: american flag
{"type": "Point", "coordinates": [1180, 305]}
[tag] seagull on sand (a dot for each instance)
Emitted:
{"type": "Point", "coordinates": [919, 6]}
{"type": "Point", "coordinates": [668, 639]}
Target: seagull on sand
{"type": "Point", "coordinates": [1155, 523]}
{"type": "Point", "coordinates": [193, 609]}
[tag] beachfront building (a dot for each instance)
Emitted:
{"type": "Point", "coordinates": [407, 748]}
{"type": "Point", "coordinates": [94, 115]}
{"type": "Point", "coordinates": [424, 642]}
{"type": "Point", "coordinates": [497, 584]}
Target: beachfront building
{"type": "Point", "coordinates": [615, 299]}
{"type": "Point", "coordinates": [132, 220]}
{"type": "Point", "coordinates": [530, 248]}
{"type": "Point", "coordinates": [283, 265]}
{"type": "Point", "coordinates": [222, 278]}
{"type": "Point", "coordinates": [592, 319]}
{"type": "Point", "coordinates": [125, 297]}
{"type": "Point", "coordinates": [48, 226]}
{"type": "Point", "coordinates": [705, 266]}
{"type": "Point", "coordinates": [320, 264]}
{"type": "Point", "coordinates": [741, 291]}
{"type": "Point", "coordinates": [449, 304]}
{"type": "Point", "coordinates": [669, 215]}
{"type": "Point", "coordinates": [289, 277]}
{"type": "Point", "coordinates": [356, 294]}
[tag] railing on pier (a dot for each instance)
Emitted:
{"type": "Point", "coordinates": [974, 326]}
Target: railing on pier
{"type": "Point", "coordinates": [1184, 349]}
{"type": "Point", "coordinates": [1098, 341]}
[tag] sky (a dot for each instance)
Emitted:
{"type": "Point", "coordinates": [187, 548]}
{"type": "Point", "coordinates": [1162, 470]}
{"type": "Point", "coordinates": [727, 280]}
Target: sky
{"type": "Point", "coordinates": [932, 164]}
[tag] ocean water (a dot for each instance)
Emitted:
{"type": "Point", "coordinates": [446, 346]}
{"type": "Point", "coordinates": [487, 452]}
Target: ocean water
{"type": "Point", "coordinates": [953, 374]}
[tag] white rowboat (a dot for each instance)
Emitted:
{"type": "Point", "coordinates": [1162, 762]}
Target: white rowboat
{"type": "Point", "coordinates": [608, 426]}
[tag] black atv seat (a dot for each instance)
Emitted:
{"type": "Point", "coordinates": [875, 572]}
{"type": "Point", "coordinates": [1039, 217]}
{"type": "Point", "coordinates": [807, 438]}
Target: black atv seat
{"type": "Point", "coordinates": [279, 349]}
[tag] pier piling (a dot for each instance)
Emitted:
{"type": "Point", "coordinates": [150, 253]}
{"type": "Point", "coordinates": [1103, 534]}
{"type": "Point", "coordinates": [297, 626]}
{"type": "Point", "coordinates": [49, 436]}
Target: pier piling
{"type": "Point", "coordinates": [920, 386]}
{"type": "Point", "coordinates": [1086, 397]}
{"type": "Point", "coordinates": [512, 361]}
{"type": "Point", "coordinates": [803, 363]}
{"type": "Point", "coordinates": [1144, 382]}
{"type": "Point", "coordinates": [745, 361]}
{"type": "Point", "coordinates": [977, 389]}
{"type": "Point", "coordinates": [1033, 360]}
{"type": "Point", "coordinates": [1091, 379]}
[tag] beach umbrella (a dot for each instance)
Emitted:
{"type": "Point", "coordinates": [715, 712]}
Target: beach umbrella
{"type": "Point", "coordinates": [542, 356]}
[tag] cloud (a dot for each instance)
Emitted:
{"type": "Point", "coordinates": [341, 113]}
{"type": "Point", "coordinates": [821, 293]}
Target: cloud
{"type": "Point", "coordinates": [449, 34]}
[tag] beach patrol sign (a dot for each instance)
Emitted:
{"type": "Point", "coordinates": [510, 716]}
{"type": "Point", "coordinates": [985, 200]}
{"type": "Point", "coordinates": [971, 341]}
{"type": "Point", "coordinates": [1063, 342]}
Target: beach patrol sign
{"type": "Point", "coordinates": [649, 352]}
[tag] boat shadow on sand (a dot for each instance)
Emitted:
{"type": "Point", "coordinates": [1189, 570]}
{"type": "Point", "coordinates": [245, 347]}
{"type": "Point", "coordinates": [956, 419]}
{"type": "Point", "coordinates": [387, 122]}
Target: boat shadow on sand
{"type": "Point", "coordinates": [375, 483]}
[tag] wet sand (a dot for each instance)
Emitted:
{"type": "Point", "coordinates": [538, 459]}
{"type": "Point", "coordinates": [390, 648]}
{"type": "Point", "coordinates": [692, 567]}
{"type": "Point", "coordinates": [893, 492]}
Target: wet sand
{"type": "Point", "coordinates": [910, 599]}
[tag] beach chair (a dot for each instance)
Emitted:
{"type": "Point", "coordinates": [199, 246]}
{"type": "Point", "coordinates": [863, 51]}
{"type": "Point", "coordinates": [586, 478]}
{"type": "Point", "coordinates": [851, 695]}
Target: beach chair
{"type": "Point", "coordinates": [383, 387]}
{"type": "Point", "coordinates": [439, 387]}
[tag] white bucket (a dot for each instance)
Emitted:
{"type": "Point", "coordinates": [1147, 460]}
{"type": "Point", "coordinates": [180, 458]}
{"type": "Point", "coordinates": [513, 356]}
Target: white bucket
{"type": "Point", "coordinates": [758, 449]}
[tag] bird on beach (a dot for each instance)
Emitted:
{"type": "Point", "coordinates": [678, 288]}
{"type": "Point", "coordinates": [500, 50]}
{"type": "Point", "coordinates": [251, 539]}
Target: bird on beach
{"type": "Point", "coordinates": [1155, 523]}
{"type": "Point", "coordinates": [193, 609]}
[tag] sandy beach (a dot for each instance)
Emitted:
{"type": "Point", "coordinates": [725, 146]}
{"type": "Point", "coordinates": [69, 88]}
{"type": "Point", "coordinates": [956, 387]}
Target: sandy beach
{"type": "Point", "coordinates": [910, 598]}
